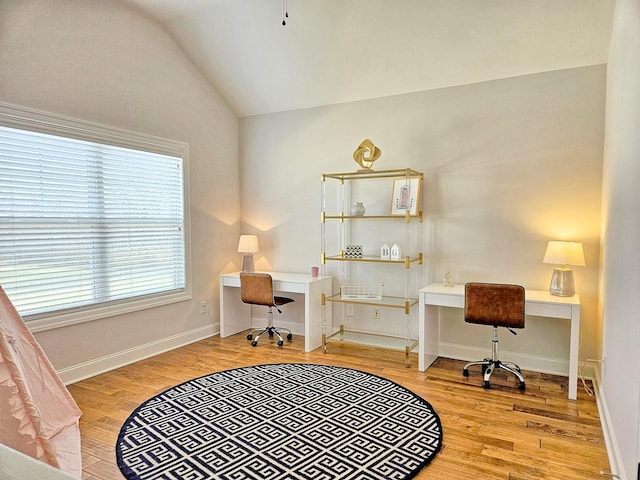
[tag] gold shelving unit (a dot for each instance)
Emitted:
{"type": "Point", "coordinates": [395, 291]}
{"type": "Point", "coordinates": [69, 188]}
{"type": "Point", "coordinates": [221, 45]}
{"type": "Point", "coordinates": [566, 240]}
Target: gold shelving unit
{"type": "Point", "coordinates": [408, 221]}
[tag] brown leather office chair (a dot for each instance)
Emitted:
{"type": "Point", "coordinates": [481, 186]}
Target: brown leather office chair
{"type": "Point", "coordinates": [257, 289]}
{"type": "Point", "coordinates": [498, 305]}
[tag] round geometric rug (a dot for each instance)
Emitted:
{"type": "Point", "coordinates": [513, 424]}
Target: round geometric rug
{"type": "Point", "coordinates": [281, 421]}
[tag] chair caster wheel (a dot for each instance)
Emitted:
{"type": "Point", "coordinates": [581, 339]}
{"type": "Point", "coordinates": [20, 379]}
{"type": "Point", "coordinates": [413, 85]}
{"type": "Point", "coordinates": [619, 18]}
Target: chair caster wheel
{"type": "Point", "coordinates": [486, 384]}
{"type": "Point", "coordinates": [280, 343]}
{"type": "Point", "coordinates": [254, 343]}
{"type": "Point", "coordinates": [289, 337]}
{"type": "Point", "coordinates": [465, 372]}
{"type": "Point", "coordinates": [249, 337]}
{"type": "Point", "coordinates": [521, 386]}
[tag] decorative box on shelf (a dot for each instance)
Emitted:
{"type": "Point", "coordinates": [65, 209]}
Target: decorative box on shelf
{"type": "Point", "coordinates": [353, 251]}
{"type": "Point", "coordinates": [354, 292]}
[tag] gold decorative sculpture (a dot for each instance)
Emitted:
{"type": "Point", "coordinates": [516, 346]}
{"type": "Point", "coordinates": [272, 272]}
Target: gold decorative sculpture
{"type": "Point", "coordinates": [366, 154]}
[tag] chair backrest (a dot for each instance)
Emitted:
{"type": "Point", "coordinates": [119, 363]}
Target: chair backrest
{"type": "Point", "coordinates": [496, 304]}
{"type": "Point", "coordinates": [256, 288]}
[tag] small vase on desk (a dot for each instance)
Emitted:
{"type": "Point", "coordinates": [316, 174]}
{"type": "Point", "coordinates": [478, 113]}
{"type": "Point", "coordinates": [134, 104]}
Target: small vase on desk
{"type": "Point", "coordinates": [357, 209]}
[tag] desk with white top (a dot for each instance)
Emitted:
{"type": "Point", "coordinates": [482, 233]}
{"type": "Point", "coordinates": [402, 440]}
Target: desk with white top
{"type": "Point", "coordinates": [539, 303]}
{"type": "Point", "coordinates": [235, 316]}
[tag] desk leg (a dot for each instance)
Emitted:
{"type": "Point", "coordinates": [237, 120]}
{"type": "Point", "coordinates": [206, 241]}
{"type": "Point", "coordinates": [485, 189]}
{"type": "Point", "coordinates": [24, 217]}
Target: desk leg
{"type": "Point", "coordinates": [573, 352]}
{"type": "Point", "coordinates": [313, 314]}
{"type": "Point", "coordinates": [235, 316]}
{"type": "Point", "coordinates": [428, 335]}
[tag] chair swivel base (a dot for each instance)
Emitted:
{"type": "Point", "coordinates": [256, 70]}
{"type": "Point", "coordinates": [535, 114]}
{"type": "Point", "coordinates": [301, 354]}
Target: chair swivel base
{"type": "Point", "coordinates": [271, 331]}
{"type": "Point", "coordinates": [488, 367]}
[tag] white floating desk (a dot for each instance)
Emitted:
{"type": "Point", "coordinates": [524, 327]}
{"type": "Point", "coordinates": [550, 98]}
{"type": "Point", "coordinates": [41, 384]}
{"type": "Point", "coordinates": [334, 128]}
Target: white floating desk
{"type": "Point", "coordinates": [235, 316]}
{"type": "Point", "coordinates": [539, 303]}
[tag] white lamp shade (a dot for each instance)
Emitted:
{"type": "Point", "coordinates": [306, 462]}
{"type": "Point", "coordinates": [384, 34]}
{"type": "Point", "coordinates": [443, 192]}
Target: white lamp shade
{"type": "Point", "coordinates": [564, 253]}
{"type": "Point", "coordinates": [248, 244]}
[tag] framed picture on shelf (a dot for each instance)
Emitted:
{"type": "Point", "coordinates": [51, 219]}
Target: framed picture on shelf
{"type": "Point", "coordinates": [405, 196]}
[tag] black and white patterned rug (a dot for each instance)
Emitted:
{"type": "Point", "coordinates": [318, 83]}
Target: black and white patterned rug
{"type": "Point", "coordinates": [281, 421]}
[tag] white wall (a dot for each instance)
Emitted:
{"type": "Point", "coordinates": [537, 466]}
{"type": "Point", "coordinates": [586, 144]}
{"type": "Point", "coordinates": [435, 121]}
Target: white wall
{"type": "Point", "coordinates": [509, 165]}
{"type": "Point", "coordinates": [106, 63]}
{"type": "Point", "coordinates": [620, 280]}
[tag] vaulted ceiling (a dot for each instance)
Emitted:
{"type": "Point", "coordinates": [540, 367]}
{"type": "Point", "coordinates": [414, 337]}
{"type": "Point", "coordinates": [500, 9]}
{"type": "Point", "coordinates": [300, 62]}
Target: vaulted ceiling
{"type": "Point", "coordinates": [335, 51]}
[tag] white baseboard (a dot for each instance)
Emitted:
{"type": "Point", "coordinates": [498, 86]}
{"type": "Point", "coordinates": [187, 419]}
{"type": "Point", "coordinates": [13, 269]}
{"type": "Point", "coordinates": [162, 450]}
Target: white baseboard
{"type": "Point", "coordinates": [527, 362]}
{"type": "Point", "coordinates": [104, 364]}
{"type": "Point", "coordinates": [613, 451]}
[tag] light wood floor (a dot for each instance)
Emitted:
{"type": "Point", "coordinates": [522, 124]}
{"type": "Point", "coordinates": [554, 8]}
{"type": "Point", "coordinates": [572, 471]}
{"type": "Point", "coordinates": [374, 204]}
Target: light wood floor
{"type": "Point", "coordinates": [501, 433]}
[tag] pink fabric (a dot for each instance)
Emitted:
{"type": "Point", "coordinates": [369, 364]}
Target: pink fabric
{"type": "Point", "coordinates": [38, 415]}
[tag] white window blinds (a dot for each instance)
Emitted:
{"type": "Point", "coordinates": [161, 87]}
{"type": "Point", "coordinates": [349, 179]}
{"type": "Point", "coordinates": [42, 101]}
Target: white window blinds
{"type": "Point", "coordinates": [85, 224]}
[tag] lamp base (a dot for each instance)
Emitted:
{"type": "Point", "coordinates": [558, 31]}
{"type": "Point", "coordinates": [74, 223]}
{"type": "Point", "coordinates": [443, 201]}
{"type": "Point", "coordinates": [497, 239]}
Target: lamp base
{"type": "Point", "coordinates": [562, 283]}
{"type": "Point", "coordinates": [247, 263]}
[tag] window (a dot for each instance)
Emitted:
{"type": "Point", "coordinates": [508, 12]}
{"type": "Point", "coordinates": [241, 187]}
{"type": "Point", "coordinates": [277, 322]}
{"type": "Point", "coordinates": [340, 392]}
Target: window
{"type": "Point", "coordinates": [92, 219]}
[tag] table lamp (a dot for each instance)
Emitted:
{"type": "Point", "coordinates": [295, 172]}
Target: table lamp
{"type": "Point", "coordinates": [563, 254]}
{"type": "Point", "coordinates": [248, 245]}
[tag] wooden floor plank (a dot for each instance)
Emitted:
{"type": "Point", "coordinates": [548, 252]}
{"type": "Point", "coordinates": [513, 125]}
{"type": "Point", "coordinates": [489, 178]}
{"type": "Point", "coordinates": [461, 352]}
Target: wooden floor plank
{"type": "Point", "coordinates": [501, 433]}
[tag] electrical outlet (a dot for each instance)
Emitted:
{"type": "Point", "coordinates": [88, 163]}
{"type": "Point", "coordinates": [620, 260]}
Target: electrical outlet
{"type": "Point", "coordinates": [376, 313]}
{"type": "Point", "coordinates": [350, 309]}
{"type": "Point", "coordinates": [203, 307]}
{"type": "Point", "coordinates": [604, 366]}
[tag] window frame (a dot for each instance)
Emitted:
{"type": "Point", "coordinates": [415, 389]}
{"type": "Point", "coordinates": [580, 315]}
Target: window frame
{"type": "Point", "coordinates": [24, 118]}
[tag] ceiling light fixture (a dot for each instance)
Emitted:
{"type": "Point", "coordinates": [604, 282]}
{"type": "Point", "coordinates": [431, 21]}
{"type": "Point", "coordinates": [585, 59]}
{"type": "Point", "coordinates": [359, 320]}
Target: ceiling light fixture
{"type": "Point", "coordinates": [285, 13]}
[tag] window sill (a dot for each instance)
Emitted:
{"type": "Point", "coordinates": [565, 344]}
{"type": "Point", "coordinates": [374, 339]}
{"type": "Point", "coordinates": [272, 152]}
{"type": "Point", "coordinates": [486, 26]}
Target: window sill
{"type": "Point", "coordinates": [64, 320]}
